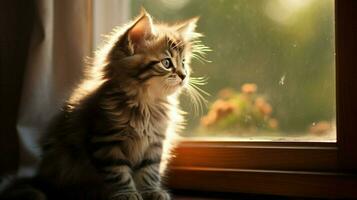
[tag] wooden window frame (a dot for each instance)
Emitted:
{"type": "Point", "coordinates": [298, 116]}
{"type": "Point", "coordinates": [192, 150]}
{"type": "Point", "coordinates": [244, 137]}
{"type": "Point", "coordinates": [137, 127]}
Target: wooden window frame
{"type": "Point", "coordinates": [285, 168]}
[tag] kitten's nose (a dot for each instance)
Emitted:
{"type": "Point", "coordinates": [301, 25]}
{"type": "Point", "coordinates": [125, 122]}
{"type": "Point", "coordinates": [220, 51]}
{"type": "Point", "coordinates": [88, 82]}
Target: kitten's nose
{"type": "Point", "coordinates": [181, 75]}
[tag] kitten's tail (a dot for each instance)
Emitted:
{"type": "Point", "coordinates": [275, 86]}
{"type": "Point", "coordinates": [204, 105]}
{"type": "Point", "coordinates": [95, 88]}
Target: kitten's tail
{"type": "Point", "coordinates": [13, 188]}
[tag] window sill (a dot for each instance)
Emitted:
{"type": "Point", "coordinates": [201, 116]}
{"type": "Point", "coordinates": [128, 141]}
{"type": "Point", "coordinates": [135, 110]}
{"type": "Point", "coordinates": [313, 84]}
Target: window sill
{"type": "Point", "coordinates": [292, 156]}
{"type": "Point", "coordinates": [272, 168]}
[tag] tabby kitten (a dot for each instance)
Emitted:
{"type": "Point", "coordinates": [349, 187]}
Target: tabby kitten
{"type": "Point", "coordinates": [108, 141]}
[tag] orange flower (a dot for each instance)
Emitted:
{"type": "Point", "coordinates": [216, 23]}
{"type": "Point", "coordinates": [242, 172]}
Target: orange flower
{"type": "Point", "coordinates": [249, 88]}
{"type": "Point", "coordinates": [225, 109]}
{"type": "Point", "coordinates": [264, 107]}
{"type": "Point", "coordinates": [217, 104]}
{"type": "Point", "coordinates": [259, 102]}
{"type": "Point", "coordinates": [209, 119]}
{"type": "Point", "coordinates": [219, 110]}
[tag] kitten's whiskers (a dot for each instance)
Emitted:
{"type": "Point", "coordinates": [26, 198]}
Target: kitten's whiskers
{"type": "Point", "coordinates": [197, 94]}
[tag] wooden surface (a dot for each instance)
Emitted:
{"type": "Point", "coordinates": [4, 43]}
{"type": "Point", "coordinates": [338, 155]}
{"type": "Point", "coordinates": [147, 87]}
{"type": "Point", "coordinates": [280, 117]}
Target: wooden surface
{"type": "Point", "coordinates": [185, 197]}
{"type": "Point", "coordinates": [274, 168]}
{"type": "Point", "coordinates": [346, 84]}
{"type": "Point", "coordinates": [257, 155]}
{"type": "Point", "coordinates": [191, 195]}
{"type": "Point", "coordinates": [286, 183]}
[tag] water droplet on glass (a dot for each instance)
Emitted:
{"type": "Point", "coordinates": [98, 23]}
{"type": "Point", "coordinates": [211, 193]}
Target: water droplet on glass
{"type": "Point", "coordinates": [282, 80]}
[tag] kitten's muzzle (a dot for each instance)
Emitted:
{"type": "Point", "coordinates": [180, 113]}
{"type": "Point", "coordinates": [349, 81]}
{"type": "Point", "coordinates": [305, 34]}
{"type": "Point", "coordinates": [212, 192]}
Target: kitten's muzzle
{"type": "Point", "coordinates": [181, 75]}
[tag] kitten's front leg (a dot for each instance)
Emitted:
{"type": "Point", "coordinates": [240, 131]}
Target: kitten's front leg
{"type": "Point", "coordinates": [147, 176]}
{"type": "Point", "coordinates": [121, 184]}
{"type": "Point", "coordinates": [116, 171]}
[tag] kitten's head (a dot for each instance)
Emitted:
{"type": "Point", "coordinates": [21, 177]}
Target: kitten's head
{"type": "Point", "coordinates": [152, 58]}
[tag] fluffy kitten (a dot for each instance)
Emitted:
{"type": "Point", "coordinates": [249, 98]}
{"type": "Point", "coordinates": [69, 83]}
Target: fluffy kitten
{"type": "Point", "coordinates": [108, 141]}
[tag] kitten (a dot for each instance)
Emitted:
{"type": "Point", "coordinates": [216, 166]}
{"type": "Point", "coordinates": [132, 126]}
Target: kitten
{"type": "Point", "coordinates": [108, 141]}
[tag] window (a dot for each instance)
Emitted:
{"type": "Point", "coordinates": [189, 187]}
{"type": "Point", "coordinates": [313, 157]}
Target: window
{"type": "Point", "coordinates": [288, 167]}
{"type": "Point", "coordinates": [272, 70]}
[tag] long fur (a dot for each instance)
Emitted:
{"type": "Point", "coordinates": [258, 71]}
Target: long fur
{"type": "Point", "coordinates": [118, 125]}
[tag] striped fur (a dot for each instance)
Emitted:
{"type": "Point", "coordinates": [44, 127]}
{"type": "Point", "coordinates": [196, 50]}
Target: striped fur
{"type": "Point", "coordinates": [113, 136]}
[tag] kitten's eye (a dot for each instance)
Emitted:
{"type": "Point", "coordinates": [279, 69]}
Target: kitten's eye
{"type": "Point", "coordinates": [166, 62]}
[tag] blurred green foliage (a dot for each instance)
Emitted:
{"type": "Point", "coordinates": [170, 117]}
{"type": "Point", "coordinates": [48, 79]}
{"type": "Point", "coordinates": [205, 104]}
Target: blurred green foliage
{"type": "Point", "coordinates": [286, 47]}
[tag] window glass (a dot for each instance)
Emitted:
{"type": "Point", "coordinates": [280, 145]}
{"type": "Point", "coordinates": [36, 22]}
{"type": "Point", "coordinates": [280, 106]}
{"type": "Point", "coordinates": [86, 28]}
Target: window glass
{"type": "Point", "coordinates": [272, 69]}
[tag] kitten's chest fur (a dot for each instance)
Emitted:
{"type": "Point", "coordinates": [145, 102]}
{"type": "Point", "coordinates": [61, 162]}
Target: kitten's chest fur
{"type": "Point", "coordinates": [145, 125]}
{"type": "Point", "coordinates": [149, 129]}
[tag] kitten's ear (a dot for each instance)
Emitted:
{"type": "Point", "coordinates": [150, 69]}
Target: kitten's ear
{"type": "Point", "coordinates": [135, 36]}
{"type": "Point", "coordinates": [141, 30]}
{"type": "Point", "coordinates": [187, 29]}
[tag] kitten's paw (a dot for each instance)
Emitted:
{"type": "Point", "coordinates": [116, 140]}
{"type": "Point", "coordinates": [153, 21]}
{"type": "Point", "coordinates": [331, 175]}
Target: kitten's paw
{"type": "Point", "coordinates": [127, 196]}
{"type": "Point", "coordinates": [156, 195]}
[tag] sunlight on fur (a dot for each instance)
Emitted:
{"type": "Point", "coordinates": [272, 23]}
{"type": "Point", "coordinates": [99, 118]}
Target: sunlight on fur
{"type": "Point", "coordinates": [191, 87]}
{"type": "Point", "coordinates": [115, 133]}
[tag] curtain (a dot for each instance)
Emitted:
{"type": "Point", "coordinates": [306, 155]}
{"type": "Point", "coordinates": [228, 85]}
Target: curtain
{"type": "Point", "coordinates": [15, 34]}
{"type": "Point", "coordinates": [42, 53]}
{"type": "Point", "coordinates": [60, 40]}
